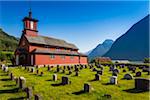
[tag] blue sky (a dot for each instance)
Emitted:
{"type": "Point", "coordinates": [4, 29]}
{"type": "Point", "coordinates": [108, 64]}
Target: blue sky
{"type": "Point", "coordinates": [84, 23]}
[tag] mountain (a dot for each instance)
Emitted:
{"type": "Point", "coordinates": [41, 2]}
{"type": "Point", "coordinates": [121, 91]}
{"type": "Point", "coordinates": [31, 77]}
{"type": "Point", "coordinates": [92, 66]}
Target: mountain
{"type": "Point", "coordinates": [88, 52]}
{"type": "Point", "coordinates": [7, 42]}
{"type": "Point", "coordinates": [134, 44]}
{"type": "Point", "coordinates": [101, 49]}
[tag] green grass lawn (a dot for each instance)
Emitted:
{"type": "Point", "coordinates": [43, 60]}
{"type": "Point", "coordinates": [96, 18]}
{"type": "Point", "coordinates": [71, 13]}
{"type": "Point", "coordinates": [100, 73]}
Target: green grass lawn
{"type": "Point", "coordinates": [43, 85]}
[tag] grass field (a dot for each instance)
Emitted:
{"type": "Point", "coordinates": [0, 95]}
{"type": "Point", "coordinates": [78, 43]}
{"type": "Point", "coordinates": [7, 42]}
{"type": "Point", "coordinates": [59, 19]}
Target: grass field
{"type": "Point", "coordinates": [43, 85]}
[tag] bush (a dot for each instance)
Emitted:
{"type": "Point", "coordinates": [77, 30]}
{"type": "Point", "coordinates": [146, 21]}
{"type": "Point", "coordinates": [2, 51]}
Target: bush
{"type": "Point", "coordinates": [146, 60]}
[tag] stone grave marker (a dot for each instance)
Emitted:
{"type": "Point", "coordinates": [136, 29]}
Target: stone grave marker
{"type": "Point", "coordinates": [124, 70]}
{"type": "Point", "coordinates": [42, 73]}
{"type": "Point", "coordinates": [87, 88]}
{"type": "Point", "coordinates": [29, 92]}
{"type": "Point", "coordinates": [55, 77]}
{"type": "Point", "coordinates": [142, 84]}
{"type": "Point", "coordinates": [113, 80]}
{"type": "Point", "coordinates": [76, 73]}
{"type": "Point", "coordinates": [65, 80]}
{"type": "Point", "coordinates": [128, 76]}
{"type": "Point", "coordinates": [97, 77]}
{"type": "Point", "coordinates": [37, 97]}
{"type": "Point", "coordinates": [138, 74]}
{"type": "Point", "coordinates": [22, 82]}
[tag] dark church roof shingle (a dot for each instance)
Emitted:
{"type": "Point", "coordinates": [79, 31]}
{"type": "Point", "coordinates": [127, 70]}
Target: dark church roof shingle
{"type": "Point", "coordinates": [49, 41]}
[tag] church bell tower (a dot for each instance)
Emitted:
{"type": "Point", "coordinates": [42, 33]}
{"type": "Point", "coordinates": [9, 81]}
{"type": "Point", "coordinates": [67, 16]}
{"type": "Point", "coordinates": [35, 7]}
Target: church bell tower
{"type": "Point", "coordinates": [30, 25]}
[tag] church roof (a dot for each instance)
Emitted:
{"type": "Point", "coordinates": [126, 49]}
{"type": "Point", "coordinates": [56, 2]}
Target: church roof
{"type": "Point", "coordinates": [46, 51]}
{"type": "Point", "coordinates": [50, 41]}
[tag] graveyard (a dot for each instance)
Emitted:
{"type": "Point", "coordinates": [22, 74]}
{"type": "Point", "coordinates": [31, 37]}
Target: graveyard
{"type": "Point", "coordinates": [84, 82]}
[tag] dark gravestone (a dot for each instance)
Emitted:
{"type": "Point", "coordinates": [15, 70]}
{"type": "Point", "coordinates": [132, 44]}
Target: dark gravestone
{"type": "Point", "coordinates": [41, 74]}
{"type": "Point", "coordinates": [65, 80]}
{"type": "Point", "coordinates": [124, 70]}
{"type": "Point", "coordinates": [142, 84]}
{"type": "Point", "coordinates": [49, 68]}
{"type": "Point", "coordinates": [85, 66]}
{"type": "Point", "coordinates": [87, 87]}
{"type": "Point", "coordinates": [138, 74]}
{"type": "Point", "coordinates": [63, 71]}
{"type": "Point", "coordinates": [100, 72]}
{"type": "Point", "coordinates": [29, 92]}
{"type": "Point", "coordinates": [114, 74]}
{"type": "Point", "coordinates": [77, 69]}
{"type": "Point", "coordinates": [94, 69]}
{"type": "Point", "coordinates": [16, 80]}
{"type": "Point", "coordinates": [128, 76]}
{"type": "Point", "coordinates": [22, 82]}
{"type": "Point", "coordinates": [32, 70]}
{"type": "Point", "coordinates": [111, 68]}
{"type": "Point", "coordinates": [64, 67]}
{"type": "Point", "coordinates": [37, 71]}
{"type": "Point", "coordinates": [25, 67]}
{"type": "Point", "coordinates": [76, 73]}
{"type": "Point", "coordinates": [44, 66]}
{"type": "Point", "coordinates": [28, 69]}
{"type": "Point", "coordinates": [133, 70]}
{"type": "Point", "coordinates": [116, 71]}
{"type": "Point", "coordinates": [70, 72]}
{"type": "Point", "coordinates": [97, 77]}
{"type": "Point", "coordinates": [37, 97]}
{"type": "Point", "coordinates": [58, 69]}
{"type": "Point", "coordinates": [71, 67]}
{"type": "Point", "coordinates": [11, 76]}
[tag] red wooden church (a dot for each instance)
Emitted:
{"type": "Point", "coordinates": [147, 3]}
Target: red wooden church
{"type": "Point", "coordinates": [34, 49]}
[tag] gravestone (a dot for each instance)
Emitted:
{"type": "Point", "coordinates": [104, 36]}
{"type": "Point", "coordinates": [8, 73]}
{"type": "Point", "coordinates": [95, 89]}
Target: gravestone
{"type": "Point", "coordinates": [87, 87]}
{"type": "Point", "coordinates": [111, 68]}
{"type": "Point", "coordinates": [29, 92]}
{"type": "Point", "coordinates": [124, 70]}
{"type": "Point", "coordinates": [113, 80]}
{"type": "Point", "coordinates": [138, 74]}
{"type": "Point", "coordinates": [5, 69]}
{"type": "Point", "coordinates": [37, 71]}
{"type": "Point", "coordinates": [41, 74]}
{"type": "Point", "coordinates": [65, 80]}
{"type": "Point", "coordinates": [142, 84]}
{"type": "Point", "coordinates": [64, 67]}
{"type": "Point", "coordinates": [32, 70]}
{"type": "Point", "coordinates": [116, 71]}
{"type": "Point", "coordinates": [114, 74]}
{"type": "Point", "coordinates": [25, 67]}
{"type": "Point", "coordinates": [76, 69]}
{"type": "Point", "coordinates": [16, 80]}
{"type": "Point", "coordinates": [97, 77]}
{"type": "Point", "coordinates": [94, 69]}
{"type": "Point", "coordinates": [28, 69]}
{"type": "Point", "coordinates": [70, 72]}
{"type": "Point", "coordinates": [55, 77]}
{"type": "Point", "coordinates": [49, 68]}
{"type": "Point", "coordinates": [133, 70]}
{"type": "Point", "coordinates": [37, 97]}
{"type": "Point", "coordinates": [22, 82]}
{"type": "Point", "coordinates": [58, 69]}
{"type": "Point", "coordinates": [76, 73]}
{"type": "Point", "coordinates": [100, 72]}
{"type": "Point", "coordinates": [128, 76]}
{"type": "Point", "coordinates": [63, 71]}
{"type": "Point", "coordinates": [11, 76]}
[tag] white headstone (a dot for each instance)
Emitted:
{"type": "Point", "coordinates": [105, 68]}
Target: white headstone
{"type": "Point", "coordinates": [113, 80]}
